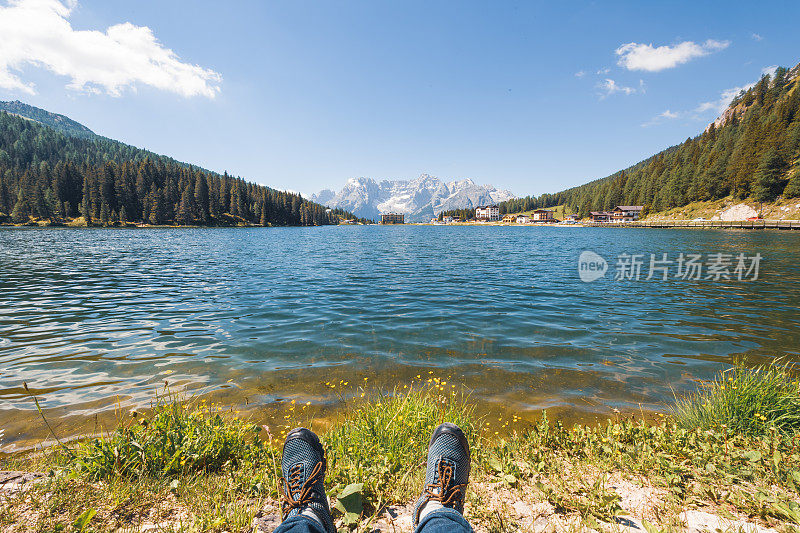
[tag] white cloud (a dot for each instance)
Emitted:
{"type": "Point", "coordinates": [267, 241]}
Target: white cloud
{"type": "Point", "coordinates": [661, 117]}
{"type": "Point", "coordinates": [580, 74]}
{"type": "Point", "coordinates": [727, 96]}
{"type": "Point", "coordinates": [603, 71]}
{"type": "Point", "coordinates": [608, 87]}
{"type": "Point", "coordinates": [636, 56]}
{"type": "Point", "coordinates": [702, 110]}
{"type": "Point", "coordinates": [38, 33]}
{"type": "Point", "coordinates": [770, 70]}
{"type": "Point", "coordinates": [757, 37]}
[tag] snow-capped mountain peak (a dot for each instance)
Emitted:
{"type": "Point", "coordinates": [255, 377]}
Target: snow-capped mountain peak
{"type": "Point", "coordinates": [420, 199]}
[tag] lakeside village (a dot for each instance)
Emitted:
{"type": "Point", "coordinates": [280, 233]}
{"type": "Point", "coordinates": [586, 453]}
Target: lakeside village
{"type": "Point", "coordinates": [486, 214]}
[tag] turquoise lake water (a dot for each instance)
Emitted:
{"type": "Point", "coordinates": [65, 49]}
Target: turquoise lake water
{"type": "Point", "coordinates": [91, 319]}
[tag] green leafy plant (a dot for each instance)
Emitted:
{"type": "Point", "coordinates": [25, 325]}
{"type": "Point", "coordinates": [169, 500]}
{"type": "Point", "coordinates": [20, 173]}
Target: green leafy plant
{"type": "Point", "coordinates": [350, 504]}
{"type": "Point", "coordinates": [83, 520]}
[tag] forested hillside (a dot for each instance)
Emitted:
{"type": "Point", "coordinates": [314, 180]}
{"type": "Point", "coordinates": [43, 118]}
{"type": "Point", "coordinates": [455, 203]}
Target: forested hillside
{"type": "Point", "coordinates": [753, 150]}
{"type": "Point", "coordinates": [47, 175]}
{"type": "Point", "coordinates": [60, 123]}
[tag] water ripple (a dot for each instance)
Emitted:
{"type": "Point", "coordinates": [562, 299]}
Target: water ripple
{"type": "Point", "coordinates": [87, 315]}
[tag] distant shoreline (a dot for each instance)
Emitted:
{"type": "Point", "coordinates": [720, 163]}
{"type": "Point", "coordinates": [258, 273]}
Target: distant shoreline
{"type": "Point", "coordinates": [782, 225]}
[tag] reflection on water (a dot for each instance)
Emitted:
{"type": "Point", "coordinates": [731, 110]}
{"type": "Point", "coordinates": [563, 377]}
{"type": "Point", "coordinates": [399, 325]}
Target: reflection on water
{"type": "Point", "coordinates": [93, 317]}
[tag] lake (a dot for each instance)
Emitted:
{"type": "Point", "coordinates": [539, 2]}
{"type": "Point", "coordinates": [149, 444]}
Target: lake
{"type": "Point", "coordinates": [98, 319]}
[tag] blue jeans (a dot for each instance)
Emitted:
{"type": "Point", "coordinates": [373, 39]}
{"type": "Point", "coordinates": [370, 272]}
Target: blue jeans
{"type": "Point", "coordinates": [438, 521]}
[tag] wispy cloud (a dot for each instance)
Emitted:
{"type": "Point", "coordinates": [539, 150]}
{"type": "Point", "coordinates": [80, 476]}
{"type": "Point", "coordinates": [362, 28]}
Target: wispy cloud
{"type": "Point", "coordinates": [608, 87]}
{"type": "Point", "coordinates": [38, 33]}
{"type": "Point", "coordinates": [719, 105]}
{"type": "Point", "coordinates": [662, 117]}
{"type": "Point", "coordinates": [639, 56]}
{"type": "Point", "coordinates": [726, 97]}
{"type": "Point", "coordinates": [757, 37]}
{"type": "Point", "coordinates": [770, 70]}
{"type": "Point", "coordinates": [580, 74]}
{"type": "Point", "coordinates": [706, 111]}
{"type": "Point", "coordinates": [603, 71]}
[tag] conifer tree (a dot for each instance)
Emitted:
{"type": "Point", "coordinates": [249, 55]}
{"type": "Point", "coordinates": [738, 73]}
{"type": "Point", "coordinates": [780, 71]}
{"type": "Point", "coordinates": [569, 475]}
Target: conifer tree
{"type": "Point", "coordinates": [769, 178]}
{"type": "Point", "coordinates": [201, 198]}
{"type": "Point", "coordinates": [19, 213]}
{"type": "Point", "coordinates": [86, 204]}
{"type": "Point", "coordinates": [105, 216]}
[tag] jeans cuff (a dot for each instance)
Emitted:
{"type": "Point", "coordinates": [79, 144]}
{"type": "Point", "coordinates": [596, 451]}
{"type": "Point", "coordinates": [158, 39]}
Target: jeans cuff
{"type": "Point", "coordinates": [300, 523]}
{"type": "Point", "coordinates": [447, 514]}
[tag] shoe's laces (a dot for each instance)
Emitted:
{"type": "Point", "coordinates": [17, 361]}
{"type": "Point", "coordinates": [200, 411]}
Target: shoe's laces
{"type": "Point", "coordinates": [295, 493]}
{"type": "Point", "coordinates": [442, 491]}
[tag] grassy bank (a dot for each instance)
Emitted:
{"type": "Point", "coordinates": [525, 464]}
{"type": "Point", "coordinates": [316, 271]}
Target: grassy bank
{"type": "Point", "coordinates": [187, 465]}
{"type": "Point", "coordinates": [780, 209]}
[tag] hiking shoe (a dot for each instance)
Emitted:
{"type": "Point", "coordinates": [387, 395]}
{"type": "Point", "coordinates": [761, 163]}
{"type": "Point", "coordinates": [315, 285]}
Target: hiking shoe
{"type": "Point", "coordinates": [447, 474]}
{"type": "Point", "coordinates": [303, 467]}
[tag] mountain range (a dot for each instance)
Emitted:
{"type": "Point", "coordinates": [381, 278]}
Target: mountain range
{"type": "Point", "coordinates": [419, 199]}
{"type": "Point", "coordinates": [52, 167]}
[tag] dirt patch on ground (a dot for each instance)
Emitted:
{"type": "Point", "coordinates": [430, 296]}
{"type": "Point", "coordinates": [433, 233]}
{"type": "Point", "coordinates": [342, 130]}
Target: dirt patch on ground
{"type": "Point", "coordinates": [491, 506]}
{"type": "Point", "coordinates": [736, 212]}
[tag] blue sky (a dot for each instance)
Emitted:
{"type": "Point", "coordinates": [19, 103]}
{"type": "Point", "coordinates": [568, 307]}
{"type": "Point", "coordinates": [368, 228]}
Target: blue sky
{"type": "Point", "coordinates": [533, 96]}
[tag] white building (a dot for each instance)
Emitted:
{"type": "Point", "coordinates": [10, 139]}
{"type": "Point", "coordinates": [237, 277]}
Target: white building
{"type": "Point", "coordinates": [523, 219]}
{"type": "Point", "coordinates": [487, 212]}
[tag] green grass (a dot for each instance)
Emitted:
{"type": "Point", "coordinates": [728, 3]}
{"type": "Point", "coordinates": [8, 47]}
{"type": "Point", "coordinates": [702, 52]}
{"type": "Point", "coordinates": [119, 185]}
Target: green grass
{"type": "Point", "coordinates": [175, 439]}
{"type": "Point", "coordinates": [199, 468]}
{"type": "Point", "coordinates": [745, 401]}
{"type": "Point", "coordinates": [383, 441]}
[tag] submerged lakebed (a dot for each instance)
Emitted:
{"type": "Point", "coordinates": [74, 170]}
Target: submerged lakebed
{"type": "Point", "coordinates": [98, 319]}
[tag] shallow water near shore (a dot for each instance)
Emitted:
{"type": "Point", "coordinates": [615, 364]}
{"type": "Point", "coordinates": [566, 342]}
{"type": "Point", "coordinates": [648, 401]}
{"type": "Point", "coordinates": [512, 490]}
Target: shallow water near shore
{"type": "Point", "coordinates": [98, 319]}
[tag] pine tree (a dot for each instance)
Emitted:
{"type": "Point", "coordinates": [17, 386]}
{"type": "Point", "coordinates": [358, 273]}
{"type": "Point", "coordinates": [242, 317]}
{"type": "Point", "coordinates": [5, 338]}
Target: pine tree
{"type": "Point", "coordinates": [19, 214]}
{"type": "Point", "coordinates": [86, 204]}
{"type": "Point", "coordinates": [105, 215]}
{"type": "Point", "coordinates": [201, 198]}
{"type": "Point", "coordinates": [185, 214]}
{"type": "Point", "coordinates": [769, 177]}
{"type": "Point", "coordinates": [156, 203]}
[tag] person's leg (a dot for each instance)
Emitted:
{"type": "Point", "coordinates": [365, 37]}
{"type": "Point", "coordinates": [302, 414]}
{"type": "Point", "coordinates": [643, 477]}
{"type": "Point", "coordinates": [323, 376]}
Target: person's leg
{"type": "Point", "coordinates": [440, 508]}
{"type": "Point", "coordinates": [300, 524]}
{"type": "Point", "coordinates": [444, 521]}
{"type": "Point", "coordinates": [304, 508]}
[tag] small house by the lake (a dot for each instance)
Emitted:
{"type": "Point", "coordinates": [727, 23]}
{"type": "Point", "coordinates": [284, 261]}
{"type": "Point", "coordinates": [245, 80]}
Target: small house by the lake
{"type": "Point", "coordinates": [601, 216]}
{"type": "Point", "coordinates": [626, 213]}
